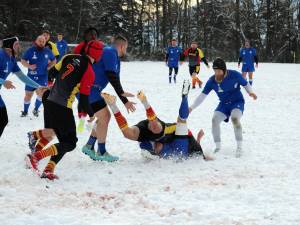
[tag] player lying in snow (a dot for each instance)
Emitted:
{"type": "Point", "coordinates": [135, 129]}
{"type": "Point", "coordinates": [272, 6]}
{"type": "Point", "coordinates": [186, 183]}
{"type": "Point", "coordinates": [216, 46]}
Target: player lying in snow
{"type": "Point", "coordinates": [159, 138]}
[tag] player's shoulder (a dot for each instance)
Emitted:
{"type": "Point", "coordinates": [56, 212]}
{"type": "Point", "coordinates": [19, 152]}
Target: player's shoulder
{"type": "Point", "coordinates": [233, 73]}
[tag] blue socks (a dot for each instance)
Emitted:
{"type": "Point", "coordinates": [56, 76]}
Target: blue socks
{"type": "Point", "coordinates": [250, 82]}
{"type": "Point", "coordinates": [26, 106]}
{"type": "Point", "coordinates": [184, 108]}
{"type": "Point", "coordinates": [101, 148]}
{"type": "Point", "coordinates": [92, 140]}
{"type": "Point", "coordinates": [38, 103]}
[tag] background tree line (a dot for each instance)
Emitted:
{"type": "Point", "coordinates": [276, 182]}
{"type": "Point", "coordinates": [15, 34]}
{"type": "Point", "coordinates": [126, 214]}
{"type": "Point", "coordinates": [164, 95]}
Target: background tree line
{"type": "Point", "coordinates": [219, 26]}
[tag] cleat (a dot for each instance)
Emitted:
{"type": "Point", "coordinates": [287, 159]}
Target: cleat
{"type": "Point", "coordinates": [193, 87]}
{"type": "Point", "coordinates": [35, 112]}
{"type": "Point", "coordinates": [49, 175]}
{"type": "Point", "coordinates": [88, 151]}
{"type": "Point", "coordinates": [31, 142]}
{"type": "Point", "coordinates": [32, 162]}
{"type": "Point", "coordinates": [24, 114]}
{"type": "Point", "coordinates": [217, 150]}
{"type": "Point", "coordinates": [109, 99]}
{"type": "Point", "coordinates": [186, 87]}
{"type": "Point", "coordinates": [106, 157]}
{"type": "Point", "coordinates": [80, 126]}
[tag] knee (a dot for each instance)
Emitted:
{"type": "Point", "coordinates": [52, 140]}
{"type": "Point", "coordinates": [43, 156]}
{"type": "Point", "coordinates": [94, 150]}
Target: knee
{"type": "Point", "coordinates": [236, 121]}
{"type": "Point", "coordinates": [69, 146]}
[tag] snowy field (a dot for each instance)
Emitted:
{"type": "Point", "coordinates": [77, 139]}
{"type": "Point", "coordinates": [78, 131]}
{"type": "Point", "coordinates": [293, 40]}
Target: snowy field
{"type": "Point", "coordinates": [261, 188]}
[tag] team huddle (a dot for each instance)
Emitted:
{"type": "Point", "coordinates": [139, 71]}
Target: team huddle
{"type": "Point", "coordinates": [59, 78]}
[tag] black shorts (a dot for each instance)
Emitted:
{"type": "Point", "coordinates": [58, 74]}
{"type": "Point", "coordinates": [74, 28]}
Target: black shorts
{"type": "Point", "coordinates": [194, 69]}
{"type": "Point", "coordinates": [61, 120]}
{"type": "Point", "coordinates": [171, 69]}
{"type": "Point", "coordinates": [194, 147]}
{"type": "Point", "coordinates": [98, 105]}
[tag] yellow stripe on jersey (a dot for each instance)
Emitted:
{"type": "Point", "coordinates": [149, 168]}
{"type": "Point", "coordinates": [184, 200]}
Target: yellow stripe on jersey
{"type": "Point", "coordinates": [201, 55]}
{"type": "Point", "coordinates": [59, 64]}
{"type": "Point", "coordinates": [72, 96]}
{"type": "Point", "coordinates": [170, 129]}
{"type": "Point", "coordinates": [54, 48]}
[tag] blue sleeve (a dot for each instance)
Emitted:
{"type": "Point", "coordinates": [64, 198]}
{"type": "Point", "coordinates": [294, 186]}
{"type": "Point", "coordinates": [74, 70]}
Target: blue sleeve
{"type": "Point", "coordinates": [2, 81]}
{"type": "Point", "coordinates": [208, 87]}
{"type": "Point", "coordinates": [254, 51]}
{"type": "Point", "coordinates": [27, 54]}
{"type": "Point", "coordinates": [110, 61]}
{"type": "Point", "coordinates": [26, 80]}
{"type": "Point", "coordinates": [241, 80]}
{"type": "Point", "coordinates": [180, 50]}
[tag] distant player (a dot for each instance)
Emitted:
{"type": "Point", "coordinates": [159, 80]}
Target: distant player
{"type": "Point", "coordinates": [49, 44]}
{"type": "Point", "coordinates": [248, 57]}
{"type": "Point", "coordinates": [62, 46]}
{"type": "Point", "coordinates": [8, 64]}
{"type": "Point", "coordinates": [173, 56]}
{"type": "Point", "coordinates": [74, 74]}
{"type": "Point", "coordinates": [195, 56]}
{"type": "Point", "coordinates": [156, 137]}
{"type": "Point", "coordinates": [226, 84]}
{"type": "Point", "coordinates": [38, 59]}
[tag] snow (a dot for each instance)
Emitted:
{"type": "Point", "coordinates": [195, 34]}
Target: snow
{"type": "Point", "coordinates": [261, 188]}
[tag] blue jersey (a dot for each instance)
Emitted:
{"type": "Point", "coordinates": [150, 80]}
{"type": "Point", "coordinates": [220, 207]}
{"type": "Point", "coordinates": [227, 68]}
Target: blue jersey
{"type": "Point", "coordinates": [41, 58]}
{"type": "Point", "coordinates": [109, 62]}
{"type": "Point", "coordinates": [62, 47]}
{"type": "Point", "coordinates": [173, 56]}
{"type": "Point", "coordinates": [228, 90]}
{"type": "Point", "coordinates": [247, 55]}
{"type": "Point", "coordinates": [8, 64]}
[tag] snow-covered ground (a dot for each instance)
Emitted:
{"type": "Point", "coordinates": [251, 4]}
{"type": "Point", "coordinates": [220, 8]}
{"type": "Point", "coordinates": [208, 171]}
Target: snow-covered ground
{"type": "Point", "coordinates": [261, 188]}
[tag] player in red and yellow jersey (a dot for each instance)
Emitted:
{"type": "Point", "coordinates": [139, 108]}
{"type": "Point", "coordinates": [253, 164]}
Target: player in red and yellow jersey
{"type": "Point", "coordinates": [73, 74]}
{"type": "Point", "coordinates": [195, 56]}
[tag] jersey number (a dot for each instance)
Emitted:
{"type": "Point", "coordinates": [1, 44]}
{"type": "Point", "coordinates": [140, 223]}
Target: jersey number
{"type": "Point", "coordinates": [70, 68]}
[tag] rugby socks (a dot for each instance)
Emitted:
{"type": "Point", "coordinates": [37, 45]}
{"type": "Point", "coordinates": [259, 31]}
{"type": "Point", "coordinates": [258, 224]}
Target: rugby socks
{"type": "Point", "coordinates": [42, 141]}
{"type": "Point", "coordinates": [91, 142]}
{"type": "Point", "coordinates": [149, 111]}
{"type": "Point", "coordinates": [51, 151]}
{"type": "Point", "coordinates": [26, 106]}
{"type": "Point", "coordinates": [38, 103]}
{"type": "Point", "coordinates": [184, 108]}
{"type": "Point", "coordinates": [250, 82]}
{"type": "Point", "coordinates": [50, 166]}
{"type": "Point", "coordinates": [175, 78]}
{"type": "Point", "coordinates": [170, 78]}
{"type": "Point", "coordinates": [101, 148]}
{"type": "Point", "coordinates": [121, 121]}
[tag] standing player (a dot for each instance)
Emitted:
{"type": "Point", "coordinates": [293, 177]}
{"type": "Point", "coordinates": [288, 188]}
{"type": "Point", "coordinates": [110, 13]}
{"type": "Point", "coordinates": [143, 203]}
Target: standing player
{"type": "Point", "coordinates": [74, 74]}
{"type": "Point", "coordinates": [38, 60]}
{"type": "Point", "coordinates": [62, 46]}
{"type": "Point", "coordinates": [195, 56]}
{"type": "Point", "coordinates": [49, 44]}
{"type": "Point", "coordinates": [172, 58]}
{"type": "Point", "coordinates": [248, 57]}
{"type": "Point", "coordinates": [8, 64]}
{"type": "Point", "coordinates": [226, 84]}
{"type": "Point", "coordinates": [107, 70]}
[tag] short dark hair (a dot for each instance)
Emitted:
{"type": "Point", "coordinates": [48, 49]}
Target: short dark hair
{"type": "Point", "coordinates": [46, 31]}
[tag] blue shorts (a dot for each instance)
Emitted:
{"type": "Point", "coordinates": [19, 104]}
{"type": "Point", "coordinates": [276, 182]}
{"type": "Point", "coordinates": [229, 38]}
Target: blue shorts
{"type": "Point", "coordinates": [2, 104]}
{"type": "Point", "coordinates": [248, 68]}
{"type": "Point", "coordinates": [95, 95]}
{"type": "Point", "coordinates": [40, 79]}
{"type": "Point", "coordinates": [179, 147]}
{"type": "Point", "coordinates": [226, 108]}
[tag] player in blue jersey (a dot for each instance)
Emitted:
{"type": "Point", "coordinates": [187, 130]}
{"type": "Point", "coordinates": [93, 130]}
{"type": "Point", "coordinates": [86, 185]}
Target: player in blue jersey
{"type": "Point", "coordinates": [8, 64]}
{"type": "Point", "coordinates": [38, 60]}
{"type": "Point", "coordinates": [226, 84]}
{"type": "Point", "coordinates": [248, 56]}
{"type": "Point", "coordinates": [173, 55]}
{"type": "Point", "coordinates": [62, 46]}
{"type": "Point", "coordinates": [107, 70]}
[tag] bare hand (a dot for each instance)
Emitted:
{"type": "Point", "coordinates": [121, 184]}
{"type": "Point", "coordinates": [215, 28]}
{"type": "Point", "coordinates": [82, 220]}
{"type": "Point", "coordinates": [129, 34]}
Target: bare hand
{"type": "Point", "coordinates": [130, 106]}
{"type": "Point", "coordinates": [32, 67]}
{"type": "Point", "coordinates": [8, 85]}
{"type": "Point", "coordinates": [41, 90]}
{"type": "Point", "coordinates": [253, 96]}
{"type": "Point", "coordinates": [181, 62]}
{"type": "Point", "coordinates": [127, 94]}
